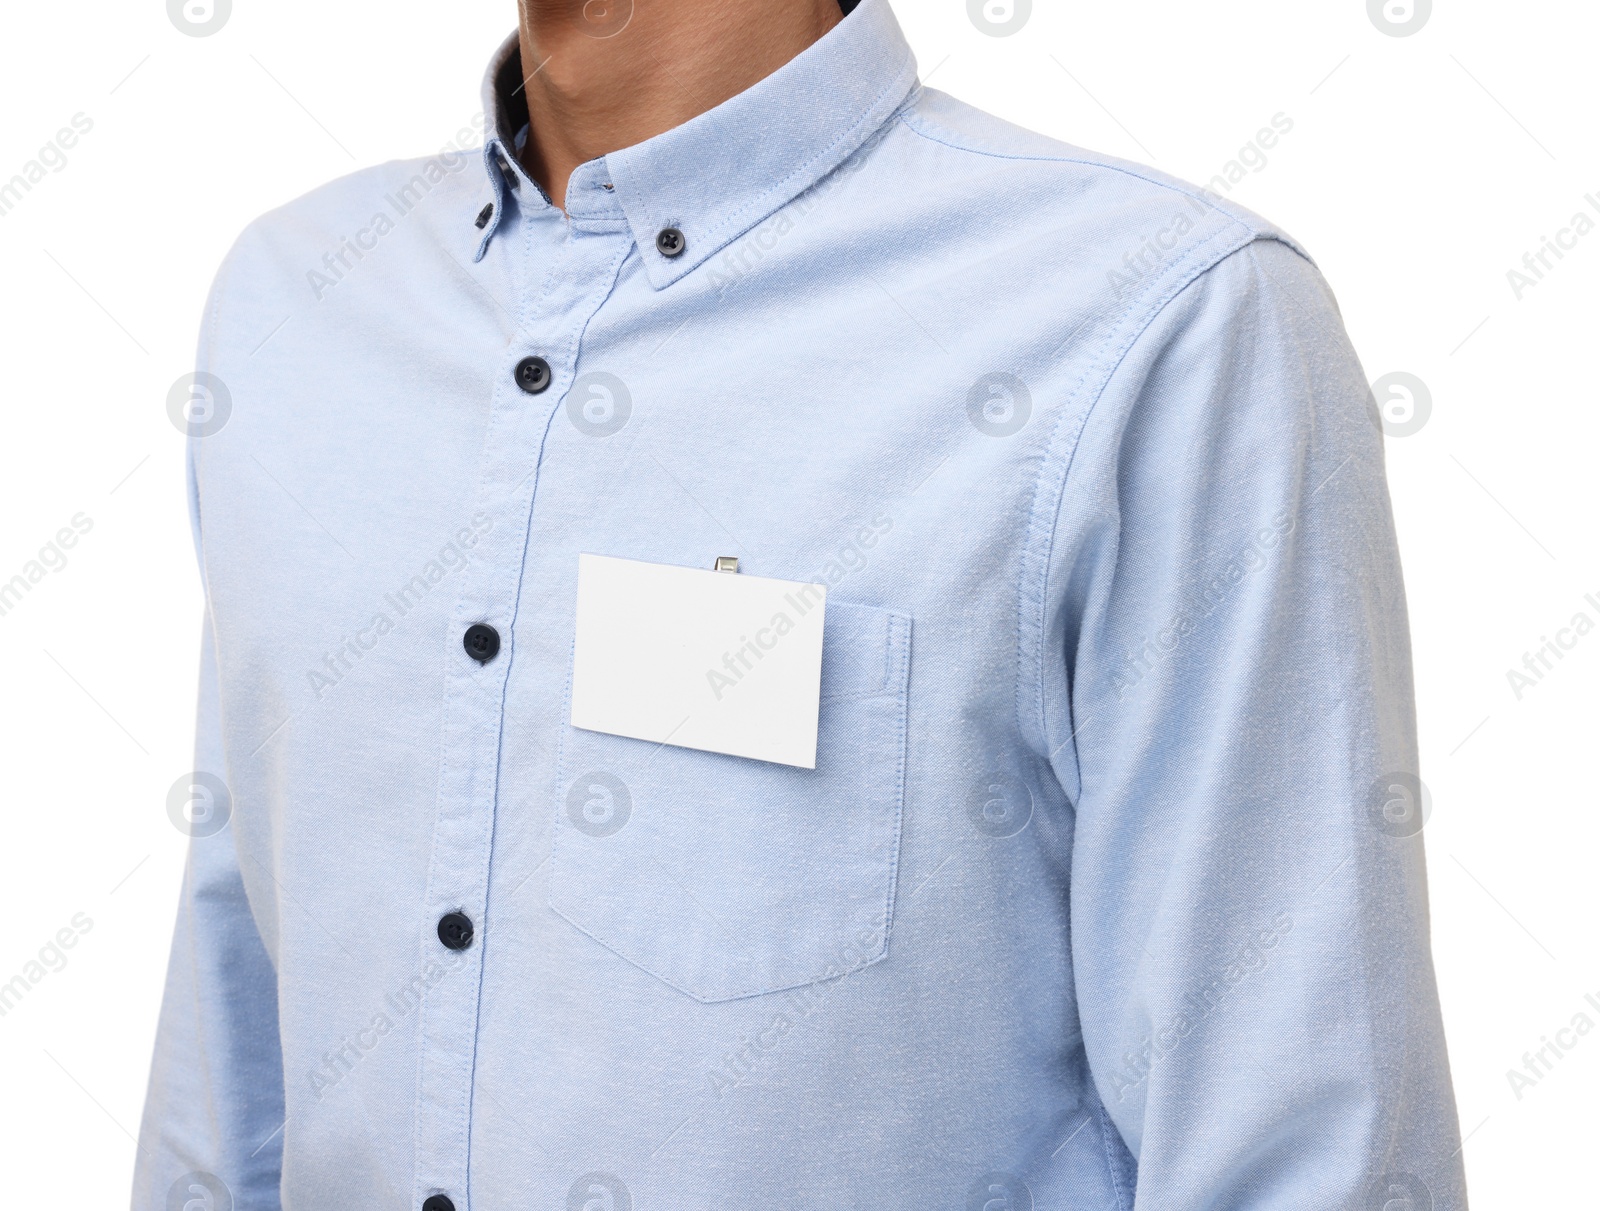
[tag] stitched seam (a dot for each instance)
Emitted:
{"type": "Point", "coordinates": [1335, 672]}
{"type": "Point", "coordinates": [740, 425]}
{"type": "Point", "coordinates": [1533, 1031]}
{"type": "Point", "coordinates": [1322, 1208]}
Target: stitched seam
{"type": "Point", "coordinates": [500, 707]}
{"type": "Point", "coordinates": [911, 122]}
{"type": "Point", "coordinates": [598, 224]}
{"type": "Point", "coordinates": [748, 216]}
{"type": "Point", "coordinates": [460, 1132]}
{"type": "Point", "coordinates": [886, 683]}
{"type": "Point", "coordinates": [497, 187]}
{"type": "Point", "coordinates": [1112, 1168]}
{"type": "Point", "coordinates": [899, 640]}
{"type": "Point", "coordinates": [865, 123]}
{"type": "Point", "coordinates": [902, 626]}
{"type": "Point", "coordinates": [883, 691]}
{"type": "Point", "coordinates": [1061, 451]}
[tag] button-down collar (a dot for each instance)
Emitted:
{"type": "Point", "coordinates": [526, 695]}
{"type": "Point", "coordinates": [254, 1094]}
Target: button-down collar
{"type": "Point", "coordinates": [721, 173]}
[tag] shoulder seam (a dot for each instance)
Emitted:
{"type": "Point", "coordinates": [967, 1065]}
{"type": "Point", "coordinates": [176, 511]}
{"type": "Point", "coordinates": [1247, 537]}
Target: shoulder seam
{"type": "Point", "coordinates": [918, 126]}
{"type": "Point", "coordinates": [1058, 460]}
{"type": "Point", "coordinates": [1263, 229]}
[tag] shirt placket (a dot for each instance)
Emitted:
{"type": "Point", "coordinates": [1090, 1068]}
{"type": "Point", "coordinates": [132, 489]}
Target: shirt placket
{"type": "Point", "coordinates": [572, 268]}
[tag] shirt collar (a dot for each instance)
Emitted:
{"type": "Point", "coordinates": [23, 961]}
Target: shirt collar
{"type": "Point", "coordinates": [723, 172]}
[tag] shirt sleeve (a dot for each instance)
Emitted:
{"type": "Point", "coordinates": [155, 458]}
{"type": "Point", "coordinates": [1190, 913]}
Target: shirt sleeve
{"type": "Point", "coordinates": [213, 1117]}
{"type": "Point", "coordinates": [1236, 731]}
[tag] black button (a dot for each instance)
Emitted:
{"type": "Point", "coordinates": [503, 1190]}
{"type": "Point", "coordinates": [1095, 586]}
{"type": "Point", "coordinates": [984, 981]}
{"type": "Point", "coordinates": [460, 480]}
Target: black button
{"type": "Point", "coordinates": [484, 216]}
{"type": "Point", "coordinates": [670, 242]}
{"type": "Point", "coordinates": [455, 930]}
{"type": "Point", "coordinates": [482, 642]}
{"type": "Point", "coordinates": [533, 374]}
{"type": "Point", "coordinates": [438, 1202]}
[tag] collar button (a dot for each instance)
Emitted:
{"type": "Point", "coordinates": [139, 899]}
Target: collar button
{"type": "Point", "coordinates": [484, 216]}
{"type": "Point", "coordinates": [670, 242]}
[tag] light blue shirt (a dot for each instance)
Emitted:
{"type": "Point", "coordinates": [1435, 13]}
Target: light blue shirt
{"type": "Point", "coordinates": [1107, 889]}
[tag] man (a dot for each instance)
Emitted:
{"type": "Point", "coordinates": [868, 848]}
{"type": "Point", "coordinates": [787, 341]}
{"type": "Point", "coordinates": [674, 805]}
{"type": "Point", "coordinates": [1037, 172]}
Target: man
{"type": "Point", "coordinates": [1100, 883]}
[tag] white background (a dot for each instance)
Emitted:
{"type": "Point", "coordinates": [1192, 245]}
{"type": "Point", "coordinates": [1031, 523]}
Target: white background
{"type": "Point", "coordinates": [1419, 171]}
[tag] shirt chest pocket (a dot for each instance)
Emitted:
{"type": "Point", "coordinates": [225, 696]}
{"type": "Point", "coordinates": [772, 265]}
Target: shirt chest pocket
{"type": "Point", "coordinates": [726, 877]}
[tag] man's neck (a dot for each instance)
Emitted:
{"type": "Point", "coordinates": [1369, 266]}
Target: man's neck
{"type": "Point", "coordinates": [606, 74]}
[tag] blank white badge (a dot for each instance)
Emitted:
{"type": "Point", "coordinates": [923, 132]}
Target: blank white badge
{"type": "Point", "coordinates": [717, 661]}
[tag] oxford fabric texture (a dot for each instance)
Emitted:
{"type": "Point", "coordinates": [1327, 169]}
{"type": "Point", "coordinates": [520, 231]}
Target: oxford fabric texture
{"type": "Point", "coordinates": [1096, 897]}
